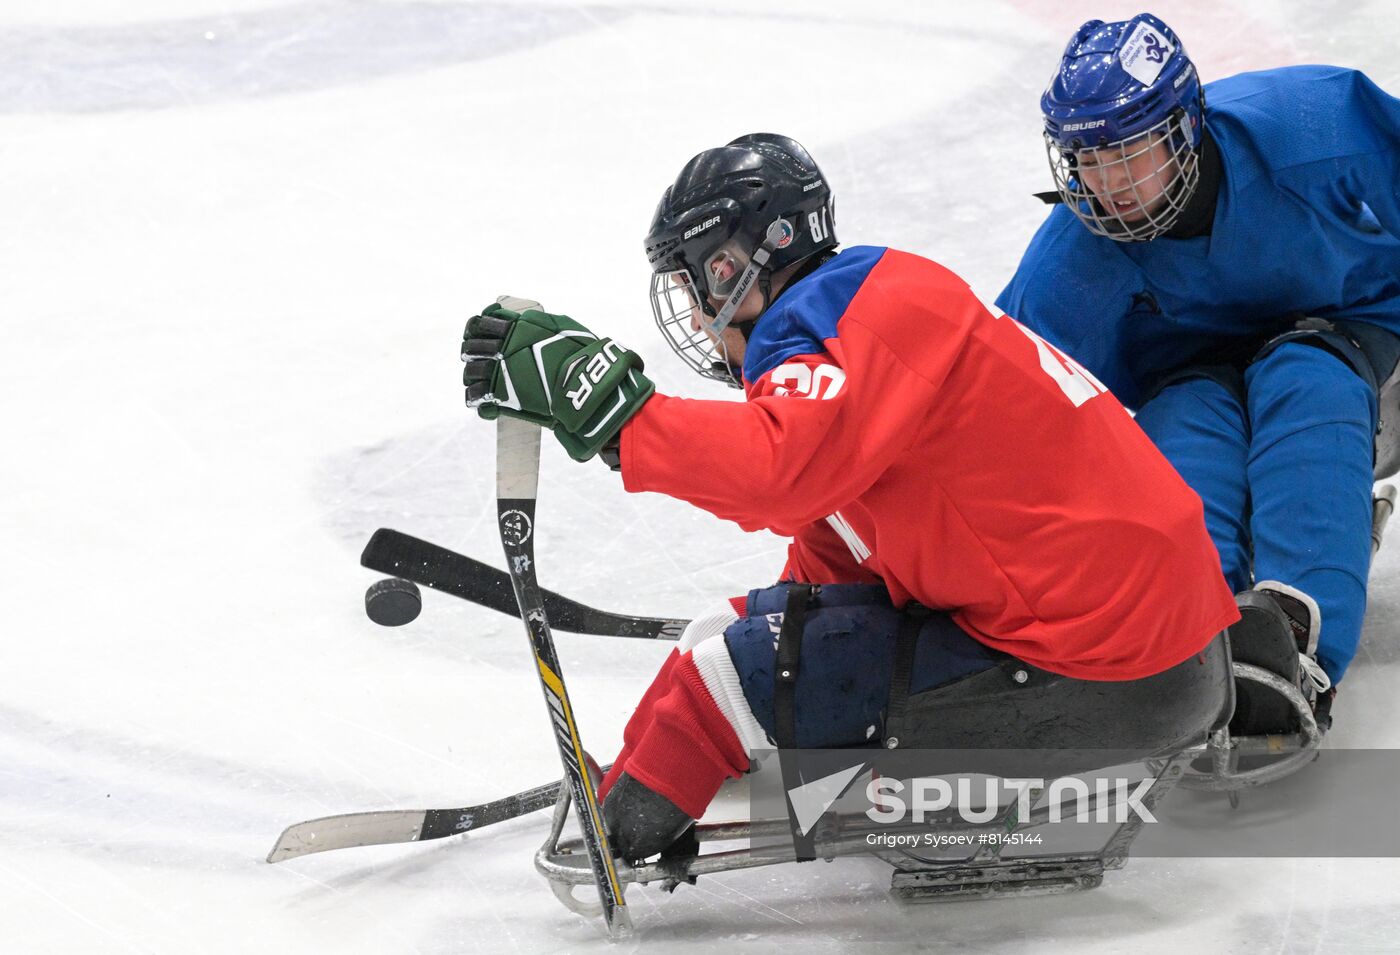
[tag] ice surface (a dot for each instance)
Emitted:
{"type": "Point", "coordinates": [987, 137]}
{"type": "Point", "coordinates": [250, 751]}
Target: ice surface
{"type": "Point", "coordinates": [239, 242]}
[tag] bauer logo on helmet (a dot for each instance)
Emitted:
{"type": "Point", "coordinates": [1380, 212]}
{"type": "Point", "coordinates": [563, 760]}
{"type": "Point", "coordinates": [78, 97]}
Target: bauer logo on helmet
{"type": "Point", "coordinates": [693, 231]}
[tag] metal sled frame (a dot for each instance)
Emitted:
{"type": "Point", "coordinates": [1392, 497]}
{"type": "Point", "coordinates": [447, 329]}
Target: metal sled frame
{"type": "Point", "coordinates": [1216, 766]}
{"type": "Point", "coordinates": [981, 874]}
{"type": "Point", "coordinates": [1290, 751]}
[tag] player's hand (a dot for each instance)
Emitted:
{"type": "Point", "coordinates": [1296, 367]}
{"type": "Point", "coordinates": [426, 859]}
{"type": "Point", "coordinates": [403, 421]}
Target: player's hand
{"type": "Point", "coordinates": [551, 370]}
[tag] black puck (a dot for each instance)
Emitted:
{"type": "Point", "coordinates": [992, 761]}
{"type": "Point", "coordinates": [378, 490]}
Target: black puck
{"type": "Point", "coordinates": [393, 602]}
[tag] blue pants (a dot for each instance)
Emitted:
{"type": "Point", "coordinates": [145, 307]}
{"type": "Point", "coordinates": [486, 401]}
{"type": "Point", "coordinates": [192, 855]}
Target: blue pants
{"type": "Point", "coordinates": [846, 663]}
{"type": "Point", "coordinates": [1285, 473]}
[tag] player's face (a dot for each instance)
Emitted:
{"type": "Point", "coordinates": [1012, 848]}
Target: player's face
{"type": "Point", "coordinates": [1130, 180]}
{"type": "Point", "coordinates": [730, 337]}
{"type": "Point", "coordinates": [732, 340]}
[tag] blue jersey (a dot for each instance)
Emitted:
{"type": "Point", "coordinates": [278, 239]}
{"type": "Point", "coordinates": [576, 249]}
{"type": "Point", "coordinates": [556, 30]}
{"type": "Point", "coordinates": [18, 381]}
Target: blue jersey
{"type": "Point", "coordinates": [1307, 223]}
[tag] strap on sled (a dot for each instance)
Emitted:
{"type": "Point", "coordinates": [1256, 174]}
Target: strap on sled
{"type": "Point", "coordinates": [799, 599]}
{"type": "Point", "coordinates": [785, 669]}
{"type": "Point", "coordinates": [911, 622]}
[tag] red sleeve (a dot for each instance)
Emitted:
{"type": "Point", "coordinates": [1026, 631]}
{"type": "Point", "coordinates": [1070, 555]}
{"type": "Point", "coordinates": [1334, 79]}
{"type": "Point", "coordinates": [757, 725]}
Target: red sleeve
{"type": "Point", "coordinates": [782, 460]}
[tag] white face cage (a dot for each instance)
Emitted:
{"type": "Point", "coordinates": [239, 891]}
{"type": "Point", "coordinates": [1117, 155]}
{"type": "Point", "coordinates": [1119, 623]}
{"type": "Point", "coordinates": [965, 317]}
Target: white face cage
{"type": "Point", "coordinates": [1130, 191]}
{"type": "Point", "coordinates": [678, 314]}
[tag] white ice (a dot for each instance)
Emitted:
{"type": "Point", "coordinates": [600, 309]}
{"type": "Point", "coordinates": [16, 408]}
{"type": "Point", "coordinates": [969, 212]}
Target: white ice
{"type": "Point", "coordinates": [238, 241]}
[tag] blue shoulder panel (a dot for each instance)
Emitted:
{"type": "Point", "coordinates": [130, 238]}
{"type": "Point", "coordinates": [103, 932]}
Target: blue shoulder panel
{"type": "Point", "coordinates": [1345, 114]}
{"type": "Point", "coordinates": [805, 315]}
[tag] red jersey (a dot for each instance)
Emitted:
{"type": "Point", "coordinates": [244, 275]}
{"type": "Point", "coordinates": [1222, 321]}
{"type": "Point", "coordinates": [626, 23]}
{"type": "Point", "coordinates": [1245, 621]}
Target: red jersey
{"type": "Point", "coordinates": [899, 431]}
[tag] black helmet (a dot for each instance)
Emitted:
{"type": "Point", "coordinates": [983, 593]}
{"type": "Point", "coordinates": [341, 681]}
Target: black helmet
{"type": "Point", "coordinates": [734, 215]}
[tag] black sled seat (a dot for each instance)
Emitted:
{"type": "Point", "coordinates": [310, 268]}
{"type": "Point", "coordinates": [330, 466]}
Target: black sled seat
{"type": "Point", "coordinates": [1014, 705]}
{"type": "Point", "coordinates": [1018, 720]}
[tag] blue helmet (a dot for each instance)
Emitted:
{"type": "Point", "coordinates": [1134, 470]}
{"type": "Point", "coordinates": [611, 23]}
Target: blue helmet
{"type": "Point", "coordinates": [1124, 91]}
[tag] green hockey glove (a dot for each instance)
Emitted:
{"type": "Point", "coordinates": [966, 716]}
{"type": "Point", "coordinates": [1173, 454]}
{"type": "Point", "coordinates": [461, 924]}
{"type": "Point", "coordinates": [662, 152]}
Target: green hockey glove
{"type": "Point", "coordinates": [551, 370]}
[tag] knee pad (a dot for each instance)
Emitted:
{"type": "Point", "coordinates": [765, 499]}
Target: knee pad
{"type": "Point", "coordinates": [1373, 355]}
{"type": "Point", "coordinates": [1310, 382]}
{"type": "Point", "coordinates": [847, 661]}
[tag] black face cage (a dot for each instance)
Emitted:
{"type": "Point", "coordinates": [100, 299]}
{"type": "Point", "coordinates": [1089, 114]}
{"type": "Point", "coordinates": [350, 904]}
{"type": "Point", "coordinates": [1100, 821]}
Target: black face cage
{"type": "Point", "coordinates": [1112, 193]}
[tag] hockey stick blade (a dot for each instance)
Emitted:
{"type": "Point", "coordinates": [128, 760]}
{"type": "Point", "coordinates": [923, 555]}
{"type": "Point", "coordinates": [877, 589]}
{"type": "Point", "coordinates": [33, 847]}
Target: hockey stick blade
{"type": "Point", "coordinates": [430, 565]}
{"type": "Point", "coordinates": [391, 826]}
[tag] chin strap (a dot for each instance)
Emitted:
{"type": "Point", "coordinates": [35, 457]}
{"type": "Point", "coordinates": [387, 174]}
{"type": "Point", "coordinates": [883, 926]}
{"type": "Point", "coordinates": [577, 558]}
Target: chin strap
{"type": "Point", "coordinates": [765, 288]}
{"type": "Point", "coordinates": [756, 269]}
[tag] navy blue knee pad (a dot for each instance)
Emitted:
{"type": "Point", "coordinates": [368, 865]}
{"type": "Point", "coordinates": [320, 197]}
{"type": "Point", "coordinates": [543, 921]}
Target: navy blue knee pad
{"type": "Point", "coordinates": [847, 661]}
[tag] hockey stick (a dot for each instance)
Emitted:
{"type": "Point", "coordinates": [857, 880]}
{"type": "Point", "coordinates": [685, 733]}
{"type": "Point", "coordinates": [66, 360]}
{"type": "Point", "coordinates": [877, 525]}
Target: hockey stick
{"type": "Point", "coordinates": [388, 827]}
{"type": "Point", "coordinates": [517, 481]}
{"type": "Point", "coordinates": [429, 565]}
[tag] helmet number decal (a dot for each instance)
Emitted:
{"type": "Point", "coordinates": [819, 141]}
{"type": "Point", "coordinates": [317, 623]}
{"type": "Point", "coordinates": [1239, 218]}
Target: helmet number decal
{"type": "Point", "coordinates": [819, 225]}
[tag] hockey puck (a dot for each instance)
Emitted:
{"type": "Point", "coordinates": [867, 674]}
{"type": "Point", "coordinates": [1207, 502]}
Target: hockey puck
{"type": "Point", "coordinates": [393, 602]}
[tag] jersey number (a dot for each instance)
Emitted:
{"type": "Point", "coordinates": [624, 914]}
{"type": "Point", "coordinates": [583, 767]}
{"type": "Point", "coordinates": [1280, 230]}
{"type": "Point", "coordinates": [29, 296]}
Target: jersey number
{"type": "Point", "coordinates": [805, 381]}
{"type": "Point", "coordinates": [1073, 378]}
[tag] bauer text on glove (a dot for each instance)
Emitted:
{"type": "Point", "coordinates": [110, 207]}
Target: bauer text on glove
{"type": "Point", "coordinates": [550, 370]}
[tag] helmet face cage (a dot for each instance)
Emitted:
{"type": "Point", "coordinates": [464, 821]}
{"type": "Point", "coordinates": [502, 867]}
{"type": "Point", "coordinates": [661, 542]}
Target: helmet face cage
{"type": "Point", "coordinates": [675, 305]}
{"type": "Point", "coordinates": [1134, 190]}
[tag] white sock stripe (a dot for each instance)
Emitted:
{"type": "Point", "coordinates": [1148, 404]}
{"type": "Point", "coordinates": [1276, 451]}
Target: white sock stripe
{"type": "Point", "coordinates": [722, 680]}
{"type": "Point", "coordinates": [706, 626]}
